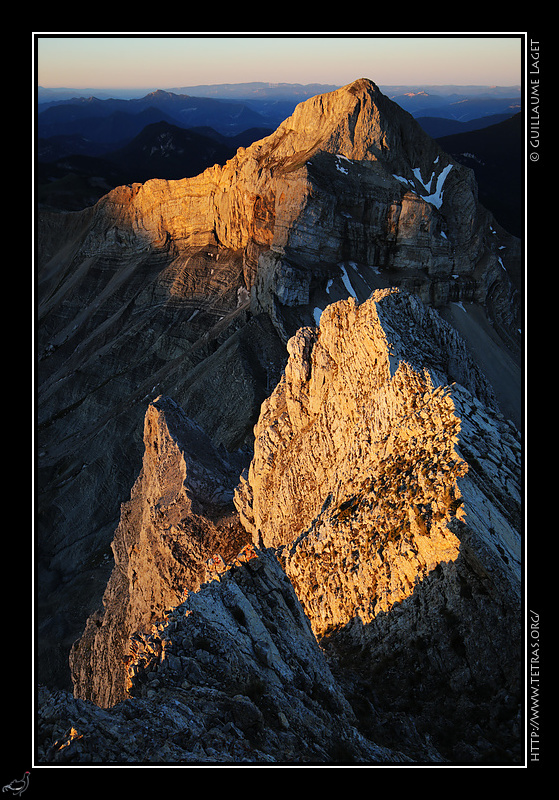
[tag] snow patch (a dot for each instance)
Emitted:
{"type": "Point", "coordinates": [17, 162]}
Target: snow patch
{"type": "Point", "coordinates": [402, 180]}
{"type": "Point", "coordinates": [339, 166]}
{"type": "Point", "coordinates": [434, 186]}
{"type": "Point", "coordinates": [347, 282]}
{"type": "Point", "coordinates": [434, 195]}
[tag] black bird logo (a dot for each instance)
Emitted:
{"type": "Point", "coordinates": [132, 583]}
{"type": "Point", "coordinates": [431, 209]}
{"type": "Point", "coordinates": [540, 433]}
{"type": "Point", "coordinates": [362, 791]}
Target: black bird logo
{"type": "Point", "coordinates": [17, 787]}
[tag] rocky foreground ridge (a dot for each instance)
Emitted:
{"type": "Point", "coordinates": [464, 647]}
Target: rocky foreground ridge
{"type": "Point", "coordinates": [319, 560]}
{"type": "Point", "coordinates": [368, 609]}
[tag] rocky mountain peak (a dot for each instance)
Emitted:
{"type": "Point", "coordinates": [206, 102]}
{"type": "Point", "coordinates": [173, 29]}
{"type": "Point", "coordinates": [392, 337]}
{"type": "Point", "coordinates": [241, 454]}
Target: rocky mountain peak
{"type": "Point", "coordinates": [349, 175]}
{"type": "Point", "coordinates": [355, 122]}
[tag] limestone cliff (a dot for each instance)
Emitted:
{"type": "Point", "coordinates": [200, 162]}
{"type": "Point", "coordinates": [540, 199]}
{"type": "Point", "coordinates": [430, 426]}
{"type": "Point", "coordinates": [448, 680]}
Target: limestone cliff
{"type": "Point", "coordinates": [202, 652]}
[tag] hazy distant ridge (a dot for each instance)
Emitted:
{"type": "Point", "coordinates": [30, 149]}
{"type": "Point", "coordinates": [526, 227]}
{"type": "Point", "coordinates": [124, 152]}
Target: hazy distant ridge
{"type": "Point", "coordinates": [268, 90]}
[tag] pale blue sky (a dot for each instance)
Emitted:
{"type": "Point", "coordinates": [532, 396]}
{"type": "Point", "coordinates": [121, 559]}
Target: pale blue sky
{"type": "Point", "coordinates": [163, 62]}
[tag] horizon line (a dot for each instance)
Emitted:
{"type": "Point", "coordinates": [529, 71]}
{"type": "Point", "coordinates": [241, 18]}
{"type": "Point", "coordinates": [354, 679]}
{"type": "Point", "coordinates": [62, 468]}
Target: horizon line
{"type": "Point", "coordinates": [278, 83]}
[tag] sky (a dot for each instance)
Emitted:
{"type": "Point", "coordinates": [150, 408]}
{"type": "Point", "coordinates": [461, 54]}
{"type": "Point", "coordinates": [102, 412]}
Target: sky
{"type": "Point", "coordinates": [159, 61]}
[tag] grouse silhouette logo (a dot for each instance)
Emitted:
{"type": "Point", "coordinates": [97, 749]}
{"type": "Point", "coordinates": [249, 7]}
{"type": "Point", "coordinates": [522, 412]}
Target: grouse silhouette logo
{"type": "Point", "coordinates": [17, 787]}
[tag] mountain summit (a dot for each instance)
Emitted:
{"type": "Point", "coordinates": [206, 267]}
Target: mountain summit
{"type": "Point", "coordinates": [358, 122]}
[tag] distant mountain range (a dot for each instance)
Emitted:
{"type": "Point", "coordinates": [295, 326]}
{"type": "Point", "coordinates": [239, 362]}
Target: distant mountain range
{"type": "Point", "coordinates": [230, 108]}
{"type": "Point", "coordinates": [113, 120]}
{"type": "Point", "coordinates": [457, 106]}
{"type": "Point", "coordinates": [88, 145]}
{"type": "Point", "coordinates": [275, 91]}
{"type": "Point", "coordinates": [443, 126]}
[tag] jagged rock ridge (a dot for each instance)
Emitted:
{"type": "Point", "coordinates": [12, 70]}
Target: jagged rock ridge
{"type": "Point", "coordinates": [360, 488]}
{"type": "Point", "coordinates": [401, 540]}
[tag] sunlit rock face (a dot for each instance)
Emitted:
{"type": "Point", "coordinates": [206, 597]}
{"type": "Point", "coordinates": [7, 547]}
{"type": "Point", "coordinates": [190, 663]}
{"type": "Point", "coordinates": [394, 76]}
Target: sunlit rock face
{"type": "Point", "coordinates": [179, 515]}
{"type": "Point", "coordinates": [400, 545]}
{"type": "Point", "coordinates": [355, 438]}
